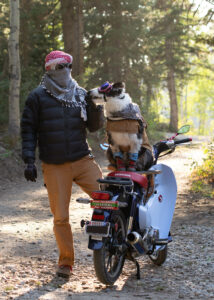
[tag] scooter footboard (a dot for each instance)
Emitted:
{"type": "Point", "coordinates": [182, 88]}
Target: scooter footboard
{"type": "Point", "coordinates": [159, 209]}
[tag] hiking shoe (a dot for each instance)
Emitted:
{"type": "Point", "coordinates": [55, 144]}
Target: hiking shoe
{"type": "Point", "coordinates": [64, 271]}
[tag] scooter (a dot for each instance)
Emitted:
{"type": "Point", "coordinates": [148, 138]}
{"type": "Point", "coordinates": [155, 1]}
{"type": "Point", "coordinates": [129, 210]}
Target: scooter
{"type": "Point", "coordinates": [132, 215]}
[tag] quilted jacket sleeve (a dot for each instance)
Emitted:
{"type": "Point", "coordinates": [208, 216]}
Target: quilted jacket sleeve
{"type": "Point", "coordinates": [29, 125]}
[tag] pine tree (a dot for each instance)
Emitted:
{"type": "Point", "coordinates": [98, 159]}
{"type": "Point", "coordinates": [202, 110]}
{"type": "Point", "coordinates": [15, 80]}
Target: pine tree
{"type": "Point", "coordinates": [14, 71]}
{"type": "Point", "coordinates": [72, 24]}
{"type": "Point", "coordinates": [173, 26]}
{"type": "Point", "coordinates": [111, 31]}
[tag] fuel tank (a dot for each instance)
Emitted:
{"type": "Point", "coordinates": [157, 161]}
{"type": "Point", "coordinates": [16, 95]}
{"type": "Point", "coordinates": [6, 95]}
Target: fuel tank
{"type": "Point", "coordinates": [159, 208]}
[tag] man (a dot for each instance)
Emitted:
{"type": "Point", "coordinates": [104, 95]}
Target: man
{"type": "Point", "coordinates": [56, 116]}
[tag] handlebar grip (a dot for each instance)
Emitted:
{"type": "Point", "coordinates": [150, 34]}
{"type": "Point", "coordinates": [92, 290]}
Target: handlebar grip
{"type": "Point", "coordinates": [183, 141]}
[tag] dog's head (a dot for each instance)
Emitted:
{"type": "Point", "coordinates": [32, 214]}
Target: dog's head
{"type": "Point", "coordinates": [107, 90]}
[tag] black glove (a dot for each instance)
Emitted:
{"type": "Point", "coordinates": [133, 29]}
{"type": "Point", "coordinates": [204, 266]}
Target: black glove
{"type": "Point", "coordinates": [30, 172]}
{"type": "Point", "coordinates": [89, 101]}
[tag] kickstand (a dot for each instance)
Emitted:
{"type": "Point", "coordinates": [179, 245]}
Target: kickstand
{"type": "Point", "coordinates": [138, 270]}
{"type": "Point", "coordinates": [137, 266]}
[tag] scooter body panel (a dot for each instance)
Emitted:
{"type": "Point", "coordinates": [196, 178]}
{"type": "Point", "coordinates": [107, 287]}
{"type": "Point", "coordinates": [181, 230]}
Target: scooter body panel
{"type": "Point", "coordinates": [159, 209]}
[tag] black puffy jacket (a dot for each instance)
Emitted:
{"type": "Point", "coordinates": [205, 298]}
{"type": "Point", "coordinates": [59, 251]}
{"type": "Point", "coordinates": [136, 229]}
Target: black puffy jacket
{"type": "Point", "coordinates": [59, 131]}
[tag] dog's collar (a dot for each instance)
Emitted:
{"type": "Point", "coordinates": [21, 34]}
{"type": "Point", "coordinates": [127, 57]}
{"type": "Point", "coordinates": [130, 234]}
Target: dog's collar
{"type": "Point", "coordinates": [122, 97]}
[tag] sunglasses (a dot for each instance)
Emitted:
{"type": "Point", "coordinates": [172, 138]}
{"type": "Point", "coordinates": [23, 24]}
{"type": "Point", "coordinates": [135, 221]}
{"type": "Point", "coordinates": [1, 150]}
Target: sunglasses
{"type": "Point", "coordinates": [62, 66]}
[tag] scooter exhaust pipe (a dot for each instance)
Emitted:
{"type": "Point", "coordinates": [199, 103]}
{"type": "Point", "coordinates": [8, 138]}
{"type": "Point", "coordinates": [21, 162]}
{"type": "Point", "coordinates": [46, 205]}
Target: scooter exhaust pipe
{"type": "Point", "coordinates": [136, 240]}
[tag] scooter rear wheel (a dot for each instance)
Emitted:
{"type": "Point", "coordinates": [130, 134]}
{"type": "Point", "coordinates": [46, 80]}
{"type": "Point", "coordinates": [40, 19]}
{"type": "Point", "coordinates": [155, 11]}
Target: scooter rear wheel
{"type": "Point", "coordinates": [159, 256]}
{"type": "Point", "coordinates": [109, 260]}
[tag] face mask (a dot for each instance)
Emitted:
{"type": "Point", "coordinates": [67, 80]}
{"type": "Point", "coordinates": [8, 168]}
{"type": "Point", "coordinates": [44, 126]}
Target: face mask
{"type": "Point", "coordinates": [62, 77]}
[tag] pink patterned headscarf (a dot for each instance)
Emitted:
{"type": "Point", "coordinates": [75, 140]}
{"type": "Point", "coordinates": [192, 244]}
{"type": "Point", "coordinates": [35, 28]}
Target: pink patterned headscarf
{"type": "Point", "coordinates": [57, 57]}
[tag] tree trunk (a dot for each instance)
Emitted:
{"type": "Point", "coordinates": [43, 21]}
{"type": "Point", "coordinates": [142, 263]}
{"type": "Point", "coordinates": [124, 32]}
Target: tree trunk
{"type": "Point", "coordinates": [148, 96]}
{"type": "Point", "coordinates": [72, 24]}
{"type": "Point", "coordinates": [25, 46]}
{"type": "Point", "coordinates": [14, 71]}
{"type": "Point", "coordinates": [117, 57]}
{"type": "Point", "coordinates": [173, 125]}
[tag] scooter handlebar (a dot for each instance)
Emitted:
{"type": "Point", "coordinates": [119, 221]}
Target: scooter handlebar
{"type": "Point", "coordinates": [187, 140]}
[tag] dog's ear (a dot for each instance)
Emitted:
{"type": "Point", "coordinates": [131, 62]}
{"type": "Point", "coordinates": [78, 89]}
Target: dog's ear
{"type": "Point", "coordinates": [119, 85]}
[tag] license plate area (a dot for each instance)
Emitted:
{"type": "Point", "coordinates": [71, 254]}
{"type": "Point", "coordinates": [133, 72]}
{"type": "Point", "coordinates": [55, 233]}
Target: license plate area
{"type": "Point", "coordinates": [95, 228]}
{"type": "Point", "coordinates": [104, 204]}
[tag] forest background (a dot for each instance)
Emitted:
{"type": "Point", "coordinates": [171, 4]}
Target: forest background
{"type": "Point", "coordinates": [162, 50]}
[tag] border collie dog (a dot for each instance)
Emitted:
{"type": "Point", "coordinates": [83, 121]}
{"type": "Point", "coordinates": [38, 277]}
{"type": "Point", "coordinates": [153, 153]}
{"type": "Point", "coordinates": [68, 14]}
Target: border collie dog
{"type": "Point", "coordinates": [124, 123]}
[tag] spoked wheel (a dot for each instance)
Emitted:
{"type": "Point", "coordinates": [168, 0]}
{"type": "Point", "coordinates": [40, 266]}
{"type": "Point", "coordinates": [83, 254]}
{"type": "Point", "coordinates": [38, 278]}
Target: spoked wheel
{"type": "Point", "coordinates": [109, 260]}
{"type": "Point", "coordinates": [159, 256]}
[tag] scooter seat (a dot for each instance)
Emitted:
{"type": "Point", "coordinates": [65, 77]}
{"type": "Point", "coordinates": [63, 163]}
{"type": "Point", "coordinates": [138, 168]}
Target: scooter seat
{"type": "Point", "coordinates": [140, 179]}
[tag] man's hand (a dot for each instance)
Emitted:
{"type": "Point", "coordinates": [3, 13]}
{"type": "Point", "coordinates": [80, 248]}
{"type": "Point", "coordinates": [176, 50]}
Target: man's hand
{"type": "Point", "coordinates": [30, 172]}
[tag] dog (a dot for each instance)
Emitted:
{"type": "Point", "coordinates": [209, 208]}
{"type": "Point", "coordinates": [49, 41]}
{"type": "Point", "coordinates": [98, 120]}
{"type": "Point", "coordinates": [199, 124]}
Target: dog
{"type": "Point", "coordinates": [125, 125]}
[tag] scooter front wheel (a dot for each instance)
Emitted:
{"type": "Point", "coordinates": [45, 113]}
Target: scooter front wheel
{"type": "Point", "coordinates": [159, 256]}
{"type": "Point", "coordinates": [109, 260]}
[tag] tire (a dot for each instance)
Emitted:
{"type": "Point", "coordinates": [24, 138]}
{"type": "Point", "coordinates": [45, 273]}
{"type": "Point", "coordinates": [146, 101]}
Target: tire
{"type": "Point", "coordinates": [159, 256]}
{"type": "Point", "coordinates": [109, 260]}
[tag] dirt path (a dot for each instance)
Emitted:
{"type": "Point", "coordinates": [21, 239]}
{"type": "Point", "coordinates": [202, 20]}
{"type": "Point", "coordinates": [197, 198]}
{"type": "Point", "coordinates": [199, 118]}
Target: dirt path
{"type": "Point", "coordinates": [28, 251]}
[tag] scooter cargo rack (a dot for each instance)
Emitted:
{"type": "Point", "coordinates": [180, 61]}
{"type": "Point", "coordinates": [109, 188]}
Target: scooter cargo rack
{"type": "Point", "coordinates": [116, 181]}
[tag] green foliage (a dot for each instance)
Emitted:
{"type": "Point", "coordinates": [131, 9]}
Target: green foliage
{"type": "Point", "coordinates": [43, 34]}
{"type": "Point", "coordinates": [200, 105]}
{"type": "Point", "coordinates": [203, 175]}
{"type": "Point", "coordinates": [112, 33]}
{"type": "Point", "coordinates": [6, 154]}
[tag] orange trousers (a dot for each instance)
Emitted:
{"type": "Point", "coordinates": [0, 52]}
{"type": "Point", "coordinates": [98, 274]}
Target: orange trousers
{"type": "Point", "coordinates": [58, 180]}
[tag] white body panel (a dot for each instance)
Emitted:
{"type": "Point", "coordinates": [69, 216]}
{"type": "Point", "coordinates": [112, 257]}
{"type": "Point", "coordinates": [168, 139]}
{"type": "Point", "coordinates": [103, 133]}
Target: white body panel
{"type": "Point", "coordinates": [159, 209]}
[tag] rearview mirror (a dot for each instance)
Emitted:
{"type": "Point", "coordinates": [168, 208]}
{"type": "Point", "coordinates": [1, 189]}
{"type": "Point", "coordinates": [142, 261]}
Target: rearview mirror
{"type": "Point", "coordinates": [184, 129]}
